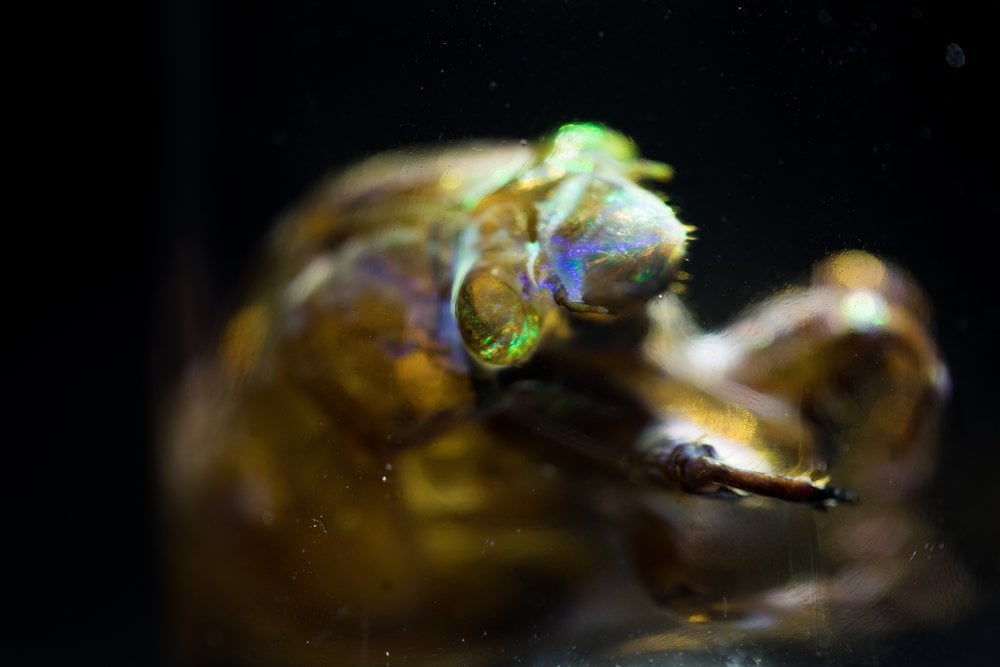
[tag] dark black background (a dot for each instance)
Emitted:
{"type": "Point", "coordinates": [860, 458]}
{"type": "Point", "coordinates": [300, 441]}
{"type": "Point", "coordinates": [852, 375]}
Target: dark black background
{"type": "Point", "coordinates": [796, 128]}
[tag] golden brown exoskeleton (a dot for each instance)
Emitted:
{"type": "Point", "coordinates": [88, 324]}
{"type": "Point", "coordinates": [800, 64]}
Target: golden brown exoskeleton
{"type": "Point", "coordinates": [463, 418]}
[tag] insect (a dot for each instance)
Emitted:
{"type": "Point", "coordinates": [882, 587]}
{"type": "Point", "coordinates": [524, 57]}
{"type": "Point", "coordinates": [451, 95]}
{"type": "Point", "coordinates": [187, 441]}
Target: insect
{"type": "Point", "coordinates": [465, 416]}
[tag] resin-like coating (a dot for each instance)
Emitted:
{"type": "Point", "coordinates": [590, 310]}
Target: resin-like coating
{"type": "Point", "coordinates": [462, 418]}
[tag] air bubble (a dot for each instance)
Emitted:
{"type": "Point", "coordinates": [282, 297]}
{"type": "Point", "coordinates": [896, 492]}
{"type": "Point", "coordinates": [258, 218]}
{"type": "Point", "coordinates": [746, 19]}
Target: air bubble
{"type": "Point", "coordinates": [954, 56]}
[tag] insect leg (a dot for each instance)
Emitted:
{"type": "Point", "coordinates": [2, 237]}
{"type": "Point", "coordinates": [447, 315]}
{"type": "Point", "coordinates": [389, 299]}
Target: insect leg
{"type": "Point", "coordinates": [697, 468]}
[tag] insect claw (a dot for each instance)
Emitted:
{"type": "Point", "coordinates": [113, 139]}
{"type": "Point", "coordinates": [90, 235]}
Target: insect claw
{"type": "Point", "coordinates": [696, 468]}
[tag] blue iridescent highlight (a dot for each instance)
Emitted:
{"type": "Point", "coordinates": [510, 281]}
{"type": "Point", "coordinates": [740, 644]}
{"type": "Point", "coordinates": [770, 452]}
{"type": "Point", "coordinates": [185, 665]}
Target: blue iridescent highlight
{"type": "Point", "coordinates": [609, 242]}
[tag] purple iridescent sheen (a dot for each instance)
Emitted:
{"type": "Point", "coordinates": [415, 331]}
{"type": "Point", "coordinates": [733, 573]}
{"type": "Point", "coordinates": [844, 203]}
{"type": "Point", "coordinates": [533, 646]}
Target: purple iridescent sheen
{"type": "Point", "coordinates": [608, 242]}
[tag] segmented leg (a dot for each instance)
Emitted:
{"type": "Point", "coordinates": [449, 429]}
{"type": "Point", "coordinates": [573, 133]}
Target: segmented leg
{"type": "Point", "coordinates": [696, 468]}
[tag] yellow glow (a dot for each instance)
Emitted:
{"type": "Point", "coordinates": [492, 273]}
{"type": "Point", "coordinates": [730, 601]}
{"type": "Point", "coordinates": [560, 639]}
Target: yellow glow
{"type": "Point", "coordinates": [452, 179]}
{"type": "Point", "coordinates": [727, 421]}
{"type": "Point", "coordinates": [856, 269]}
{"type": "Point", "coordinates": [439, 479]}
{"type": "Point", "coordinates": [422, 381]}
{"type": "Point", "coordinates": [244, 339]}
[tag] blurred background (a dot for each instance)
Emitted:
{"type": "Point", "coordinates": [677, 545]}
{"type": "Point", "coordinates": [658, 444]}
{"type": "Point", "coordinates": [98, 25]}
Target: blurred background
{"type": "Point", "coordinates": [796, 129]}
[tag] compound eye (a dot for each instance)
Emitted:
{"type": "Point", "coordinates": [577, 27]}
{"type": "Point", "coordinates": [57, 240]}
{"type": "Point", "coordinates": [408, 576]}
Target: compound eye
{"type": "Point", "coordinates": [611, 244]}
{"type": "Point", "coordinates": [499, 326]}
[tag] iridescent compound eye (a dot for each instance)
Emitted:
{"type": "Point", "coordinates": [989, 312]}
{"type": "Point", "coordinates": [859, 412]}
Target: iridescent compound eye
{"type": "Point", "coordinates": [611, 244]}
{"type": "Point", "coordinates": [498, 325]}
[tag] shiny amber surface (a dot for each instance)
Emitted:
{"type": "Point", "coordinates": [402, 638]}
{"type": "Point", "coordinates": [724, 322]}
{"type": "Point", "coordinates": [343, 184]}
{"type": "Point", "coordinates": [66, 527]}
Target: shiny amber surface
{"type": "Point", "coordinates": [453, 424]}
